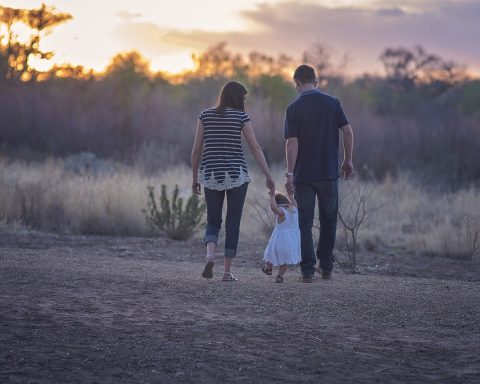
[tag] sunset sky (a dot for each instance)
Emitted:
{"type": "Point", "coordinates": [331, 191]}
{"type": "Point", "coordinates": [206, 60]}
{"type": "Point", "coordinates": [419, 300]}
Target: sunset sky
{"type": "Point", "coordinates": [168, 32]}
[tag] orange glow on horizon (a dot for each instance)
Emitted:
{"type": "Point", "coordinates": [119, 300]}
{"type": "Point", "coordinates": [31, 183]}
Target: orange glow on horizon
{"type": "Point", "coordinates": [167, 34]}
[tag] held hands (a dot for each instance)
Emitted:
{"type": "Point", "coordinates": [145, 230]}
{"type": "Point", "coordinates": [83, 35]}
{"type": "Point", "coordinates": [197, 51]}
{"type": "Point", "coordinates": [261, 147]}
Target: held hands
{"type": "Point", "coordinates": [347, 169]}
{"type": "Point", "coordinates": [289, 186]}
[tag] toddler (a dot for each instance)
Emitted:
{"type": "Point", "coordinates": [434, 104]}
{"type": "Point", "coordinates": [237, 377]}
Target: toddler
{"type": "Point", "coordinates": [283, 249]}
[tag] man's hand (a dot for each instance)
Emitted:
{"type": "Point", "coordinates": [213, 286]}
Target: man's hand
{"type": "Point", "coordinates": [347, 169]}
{"type": "Point", "coordinates": [196, 188]}
{"type": "Point", "coordinates": [347, 165]}
{"type": "Point", "coordinates": [289, 186]}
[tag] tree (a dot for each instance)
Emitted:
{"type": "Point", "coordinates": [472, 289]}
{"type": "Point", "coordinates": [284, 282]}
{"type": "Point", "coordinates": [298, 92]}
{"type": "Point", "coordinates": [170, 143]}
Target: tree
{"type": "Point", "coordinates": [67, 71]}
{"type": "Point", "coordinates": [15, 55]}
{"type": "Point", "coordinates": [260, 64]}
{"type": "Point", "coordinates": [218, 62]}
{"type": "Point", "coordinates": [407, 69]}
{"type": "Point", "coordinates": [320, 57]}
{"type": "Point", "coordinates": [128, 64]}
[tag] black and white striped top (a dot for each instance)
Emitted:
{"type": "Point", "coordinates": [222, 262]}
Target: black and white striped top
{"type": "Point", "coordinates": [223, 163]}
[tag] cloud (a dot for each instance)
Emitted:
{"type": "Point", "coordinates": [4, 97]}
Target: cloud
{"type": "Point", "coordinates": [128, 16]}
{"type": "Point", "coordinates": [146, 37]}
{"type": "Point", "coordinates": [391, 12]}
{"type": "Point", "coordinates": [449, 28]}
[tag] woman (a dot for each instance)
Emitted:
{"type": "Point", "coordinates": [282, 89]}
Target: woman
{"type": "Point", "coordinates": [223, 170]}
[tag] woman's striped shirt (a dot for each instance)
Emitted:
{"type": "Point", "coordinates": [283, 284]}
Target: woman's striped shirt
{"type": "Point", "coordinates": [223, 162]}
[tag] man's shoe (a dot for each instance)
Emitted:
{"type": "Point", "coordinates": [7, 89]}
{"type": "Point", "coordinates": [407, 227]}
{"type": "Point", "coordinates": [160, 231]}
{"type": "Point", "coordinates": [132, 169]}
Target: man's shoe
{"type": "Point", "coordinates": [307, 279]}
{"type": "Point", "coordinates": [326, 275]}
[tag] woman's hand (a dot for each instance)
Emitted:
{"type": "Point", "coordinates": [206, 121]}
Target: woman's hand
{"type": "Point", "coordinates": [196, 187]}
{"type": "Point", "coordinates": [270, 184]}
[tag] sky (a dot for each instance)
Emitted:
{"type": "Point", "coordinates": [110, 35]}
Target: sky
{"type": "Point", "coordinates": [168, 32]}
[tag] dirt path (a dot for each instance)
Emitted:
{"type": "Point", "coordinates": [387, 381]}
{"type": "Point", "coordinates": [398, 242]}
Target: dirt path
{"type": "Point", "coordinates": [106, 310]}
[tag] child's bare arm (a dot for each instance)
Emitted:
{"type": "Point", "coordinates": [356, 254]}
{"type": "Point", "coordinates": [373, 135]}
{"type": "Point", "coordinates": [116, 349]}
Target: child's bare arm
{"type": "Point", "coordinates": [291, 197]}
{"type": "Point", "coordinates": [274, 207]}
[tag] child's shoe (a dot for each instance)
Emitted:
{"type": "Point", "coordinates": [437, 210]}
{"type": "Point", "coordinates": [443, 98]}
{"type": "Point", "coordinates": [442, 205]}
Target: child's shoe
{"type": "Point", "coordinates": [266, 270]}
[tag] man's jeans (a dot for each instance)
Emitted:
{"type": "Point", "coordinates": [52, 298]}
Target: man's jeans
{"type": "Point", "coordinates": [327, 193]}
{"type": "Point", "coordinates": [235, 200]}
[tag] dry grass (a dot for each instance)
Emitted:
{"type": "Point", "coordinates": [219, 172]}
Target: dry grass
{"type": "Point", "coordinates": [420, 222]}
{"type": "Point", "coordinates": [50, 196]}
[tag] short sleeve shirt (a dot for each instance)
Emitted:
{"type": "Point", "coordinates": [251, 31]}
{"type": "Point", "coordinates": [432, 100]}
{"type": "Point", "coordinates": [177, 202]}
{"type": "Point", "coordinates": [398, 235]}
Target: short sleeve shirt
{"type": "Point", "coordinates": [223, 163]}
{"type": "Point", "coordinates": [315, 119]}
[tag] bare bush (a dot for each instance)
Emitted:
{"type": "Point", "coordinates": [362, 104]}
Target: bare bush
{"type": "Point", "coordinates": [354, 210]}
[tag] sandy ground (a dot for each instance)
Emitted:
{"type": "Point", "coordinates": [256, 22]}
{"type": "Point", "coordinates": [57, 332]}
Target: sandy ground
{"type": "Point", "coordinates": [116, 310]}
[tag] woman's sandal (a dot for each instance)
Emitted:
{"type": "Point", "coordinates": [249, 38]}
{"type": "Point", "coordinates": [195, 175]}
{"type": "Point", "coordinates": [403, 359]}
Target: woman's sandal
{"type": "Point", "coordinates": [279, 279]}
{"type": "Point", "coordinates": [208, 270]}
{"type": "Point", "coordinates": [267, 271]}
{"type": "Point", "coordinates": [227, 276]}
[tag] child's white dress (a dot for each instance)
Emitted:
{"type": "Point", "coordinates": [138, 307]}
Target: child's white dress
{"type": "Point", "coordinates": [284, 244]}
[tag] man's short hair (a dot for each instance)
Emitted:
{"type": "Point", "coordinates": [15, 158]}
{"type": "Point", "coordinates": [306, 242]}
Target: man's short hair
{"type": "Point", "coordinates": [305, 74]}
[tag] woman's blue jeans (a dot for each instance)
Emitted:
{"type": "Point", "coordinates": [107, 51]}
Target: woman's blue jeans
{"type": "Point", "coordinates": [235, 201]}
{"type": "Point", "coordinates": [326, 191]}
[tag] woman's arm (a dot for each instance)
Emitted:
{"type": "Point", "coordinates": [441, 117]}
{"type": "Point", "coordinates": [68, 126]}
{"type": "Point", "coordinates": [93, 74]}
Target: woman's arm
{"type": "Point", "coordinates": [258, 155]}
{"type": "Point", "coordinates": [196, 155]}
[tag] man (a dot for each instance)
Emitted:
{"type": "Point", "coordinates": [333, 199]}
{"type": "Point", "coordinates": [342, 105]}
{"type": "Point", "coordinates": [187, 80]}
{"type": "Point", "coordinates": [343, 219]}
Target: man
{"type": "Point", "coordinates": [312, 125]}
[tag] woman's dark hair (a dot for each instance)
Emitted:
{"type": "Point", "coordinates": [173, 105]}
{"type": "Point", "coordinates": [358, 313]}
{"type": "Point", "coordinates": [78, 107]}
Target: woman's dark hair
{"type": "Point", "coordinates": [281, 199]}
{"type": "Point", "coordinates": [232, 96]}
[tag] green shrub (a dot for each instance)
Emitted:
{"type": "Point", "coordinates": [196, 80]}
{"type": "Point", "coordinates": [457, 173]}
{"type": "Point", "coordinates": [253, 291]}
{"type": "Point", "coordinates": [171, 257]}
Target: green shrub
{"type": "Point", "coordinates": [170, 216]}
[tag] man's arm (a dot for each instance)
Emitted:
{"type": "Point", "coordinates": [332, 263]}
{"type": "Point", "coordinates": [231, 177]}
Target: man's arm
{"type": "Point", "coordinates": [291, 197]}
{"type": "Point", "coordinates": [347, 165]}
{"type": "Point", "coordinates": [291, 153]}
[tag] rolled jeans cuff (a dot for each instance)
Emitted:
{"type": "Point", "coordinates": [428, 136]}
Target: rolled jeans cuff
{"type": "Point", "coordinates": [230, 253]}
{"type": "Point", "coordinates": [211, 239]}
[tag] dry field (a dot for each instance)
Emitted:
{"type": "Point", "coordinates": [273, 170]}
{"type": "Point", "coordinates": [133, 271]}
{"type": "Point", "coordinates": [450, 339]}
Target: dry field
{"type": "Point", "coordinates": [78, 305]}
{"type": "Point", "coordinates": [95, 309]}
{"type": "Point", "coordinates": [89, 196]}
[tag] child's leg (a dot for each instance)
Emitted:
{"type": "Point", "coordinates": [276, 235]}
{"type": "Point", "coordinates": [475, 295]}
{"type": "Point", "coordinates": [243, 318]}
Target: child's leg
{"type": "Point", "coordinates": [282, 270]}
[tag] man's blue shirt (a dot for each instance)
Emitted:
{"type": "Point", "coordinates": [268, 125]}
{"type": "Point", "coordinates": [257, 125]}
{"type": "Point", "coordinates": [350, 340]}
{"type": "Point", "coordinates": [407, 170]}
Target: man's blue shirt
{"type": "Point", "coordinates": [315, 119]}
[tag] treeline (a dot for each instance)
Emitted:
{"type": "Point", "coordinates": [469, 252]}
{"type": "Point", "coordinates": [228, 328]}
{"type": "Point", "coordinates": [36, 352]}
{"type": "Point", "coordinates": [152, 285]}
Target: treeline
{"type": "Point", "coordinates": [422, 115]}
